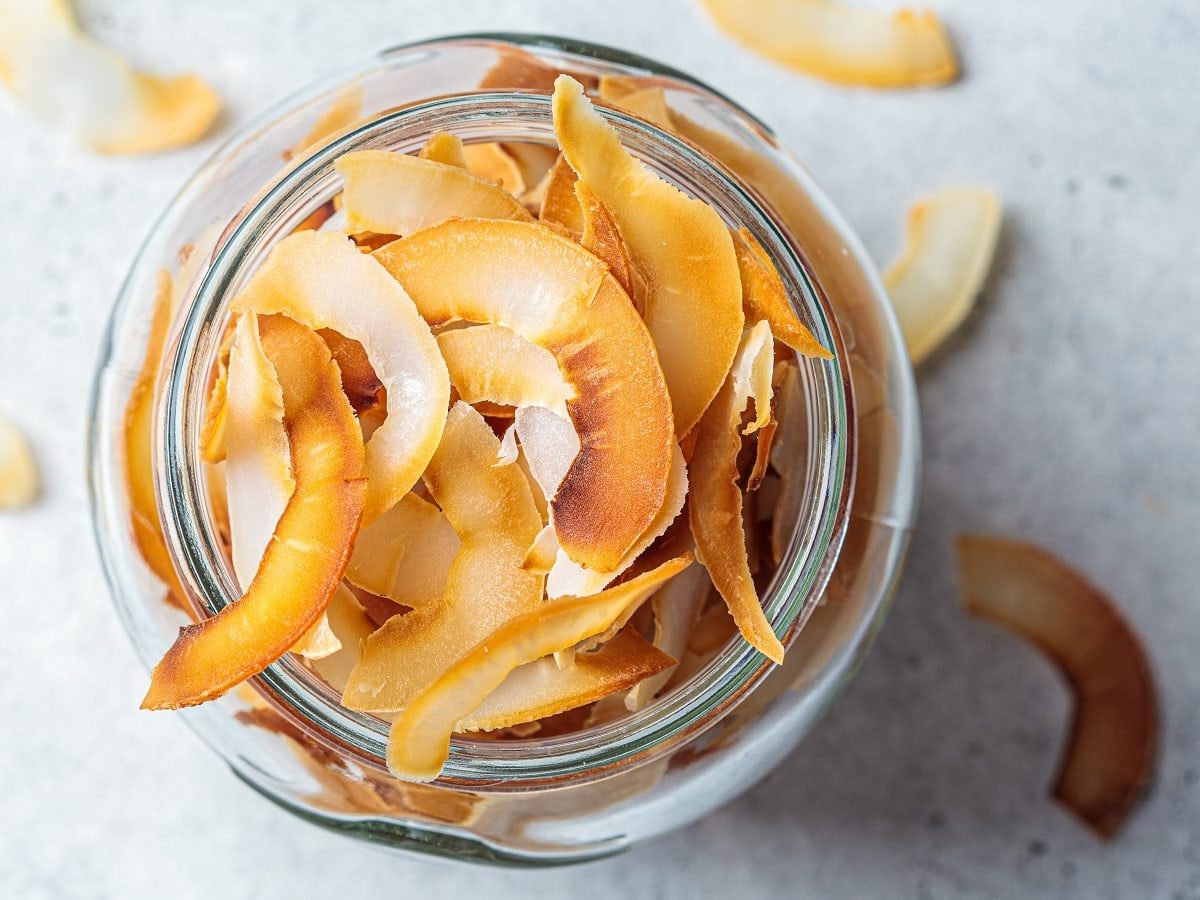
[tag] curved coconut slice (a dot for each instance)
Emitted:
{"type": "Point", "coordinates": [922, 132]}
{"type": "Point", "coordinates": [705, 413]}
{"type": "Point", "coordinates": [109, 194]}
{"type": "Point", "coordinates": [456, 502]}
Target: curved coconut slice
{"type": "Point", "coordinates": [350, 626]}
{"type": "Point", "coordinates": [676, 607]}
{"type": "Point", "coordinates": [765, 298]}
{"type": "Point", "coordinates": [345, 110]}
{"type": "Point", "coordinates": [541, 688]}
{"type": "Point", "coordinates": [933, 285]}
{"type": "Point", "coordinates": [303, 565]}
{"type": "Point", "coordinates": [90, 91]}
{"type": "Point", "coordinates": [602, 239]}
{"type": "Point", "coordinates": [258, 473]}
{"type": "Point", "coordinates": [837, 43]}
{"type": "Point", "coordinates": [139, 465]}
{"type": "Point", "coordinates": [494, 363]}
{"type": "Point", "coordinates": [694, 294]}
{"type": "Point", "coordinates": [1111, 752]}
{"type": "Point", "coordinates": [419, 742]}
{"type": "Point", "coordinates": [405, 555]}
{"type": "Point", "coordinates": [716, 506]}
{"type": "Point", "coordinates": [567, 577]}
{"type": "Point", "coordinates": [393, 193]}
{"type": "Point", "coordinates": [554, 293]}
{"type": "Point", "coordinates": [560, 205]}
{"type": "Point", "coordinates": [320, 279]}
{"type": "Point", "coordinates": [446, 148]}
{"type": "Point", "coordinates": [361, 385]}
{"type": "Point", "coordinates": [493, 163]}
{"type": "Point", "coordinates": [492, 511]}
{"type": "Point", "coordinates": [18, 471]}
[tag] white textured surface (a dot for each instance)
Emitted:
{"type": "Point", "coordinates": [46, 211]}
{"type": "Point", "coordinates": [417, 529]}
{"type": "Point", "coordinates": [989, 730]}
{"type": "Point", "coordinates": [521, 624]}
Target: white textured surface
{"type": "Point", "coordinates": [1067, 411]}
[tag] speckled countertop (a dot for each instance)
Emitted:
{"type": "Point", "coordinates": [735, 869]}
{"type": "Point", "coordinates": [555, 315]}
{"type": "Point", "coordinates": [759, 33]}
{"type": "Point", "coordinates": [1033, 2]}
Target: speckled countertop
{"type": "Point", "coordinates": [1066, 411]}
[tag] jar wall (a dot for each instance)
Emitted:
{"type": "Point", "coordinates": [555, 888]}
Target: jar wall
{"type": "Point", "coordinates": [271, 748]}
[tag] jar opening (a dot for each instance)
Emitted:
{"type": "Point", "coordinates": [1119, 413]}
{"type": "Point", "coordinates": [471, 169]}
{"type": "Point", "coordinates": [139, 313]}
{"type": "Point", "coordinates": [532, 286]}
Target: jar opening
{"type": "Point", "coordinates": [673, 718]}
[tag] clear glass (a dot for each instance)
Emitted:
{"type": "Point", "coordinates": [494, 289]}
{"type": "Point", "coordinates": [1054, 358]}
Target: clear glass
{"type": "Point", "coordinates": [587, 794]}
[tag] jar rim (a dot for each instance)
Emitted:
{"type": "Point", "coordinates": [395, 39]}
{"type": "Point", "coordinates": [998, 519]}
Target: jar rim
{"type": "Point", "coordinates": [632, 739]}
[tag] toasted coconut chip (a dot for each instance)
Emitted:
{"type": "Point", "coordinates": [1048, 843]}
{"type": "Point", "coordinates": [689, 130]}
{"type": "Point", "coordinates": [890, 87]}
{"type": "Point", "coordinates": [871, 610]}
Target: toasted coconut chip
{"type": "Point", "coordinates": [519, 70]}
{"type": "Point", "coordinates": [350, 626]}
{"type": "Point", "coordinates": [764, 297]}
{"type": "Point", "coordinates": [18, 471]}
{"type": "Point", "coordinates": [602, 239]}
{"type": "Point", "coordinates": [492, 162]}
{"type": "Point", "coordinates": [841, 44]}
{"type": "Point", "coordinates": [361, 385]}
{"type": "Point", "coordinates": [560, 205]}
{"type": "Point", "coordinates": [1111, 752]}
{"type": "Point", "coordinates": [303, 565]}
{"type": "Point", "coordinates": [74, 84]}
{"type": "Point", "coordinates": [694, 296]}
{"type": "Point", "coordinates": [492, 511]}
{"type": "Point", "coordinates": [419, 742]}
{"type": "Point", "coordinates": [933, 285]}
{"type": "Point", "coordinates": [541, 688]}
{"type": "Point", "coordinates": [345, 110]}
{"type": "Point", "coordinates": [446, 148]}
{"type": "Point", "coordinates": [318, 278]}
{"type": "Point", "coordinates": [716, 504]}
{"type": "Point", "coordinates": [405, 555]}
{"type": "Point", "coordinates": [139, 466]}
{"type": "Point", "coordinates": [258, 476]}
{"type": "Point", "coordinates": [392, 193]}
{"type": "Point", "coordinates": [676, 607]}
{"type": "Point", "coordinates": [494, 363]}
{"type": "Point", "coordinates": [554, 293]}
{"type": "Point", "coordinates": [258, 471]}
{"type": "Point", "coordinates": [569, 578]}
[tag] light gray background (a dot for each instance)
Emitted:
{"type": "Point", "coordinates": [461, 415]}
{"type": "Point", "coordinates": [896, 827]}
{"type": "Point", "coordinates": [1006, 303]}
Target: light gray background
{"type": "Point", "coordinates": [1066, 411]}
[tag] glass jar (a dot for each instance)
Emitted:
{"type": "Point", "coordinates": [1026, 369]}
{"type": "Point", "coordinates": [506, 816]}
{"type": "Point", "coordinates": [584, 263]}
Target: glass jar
{"type": "Point", "coordinates": [586, 794]}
